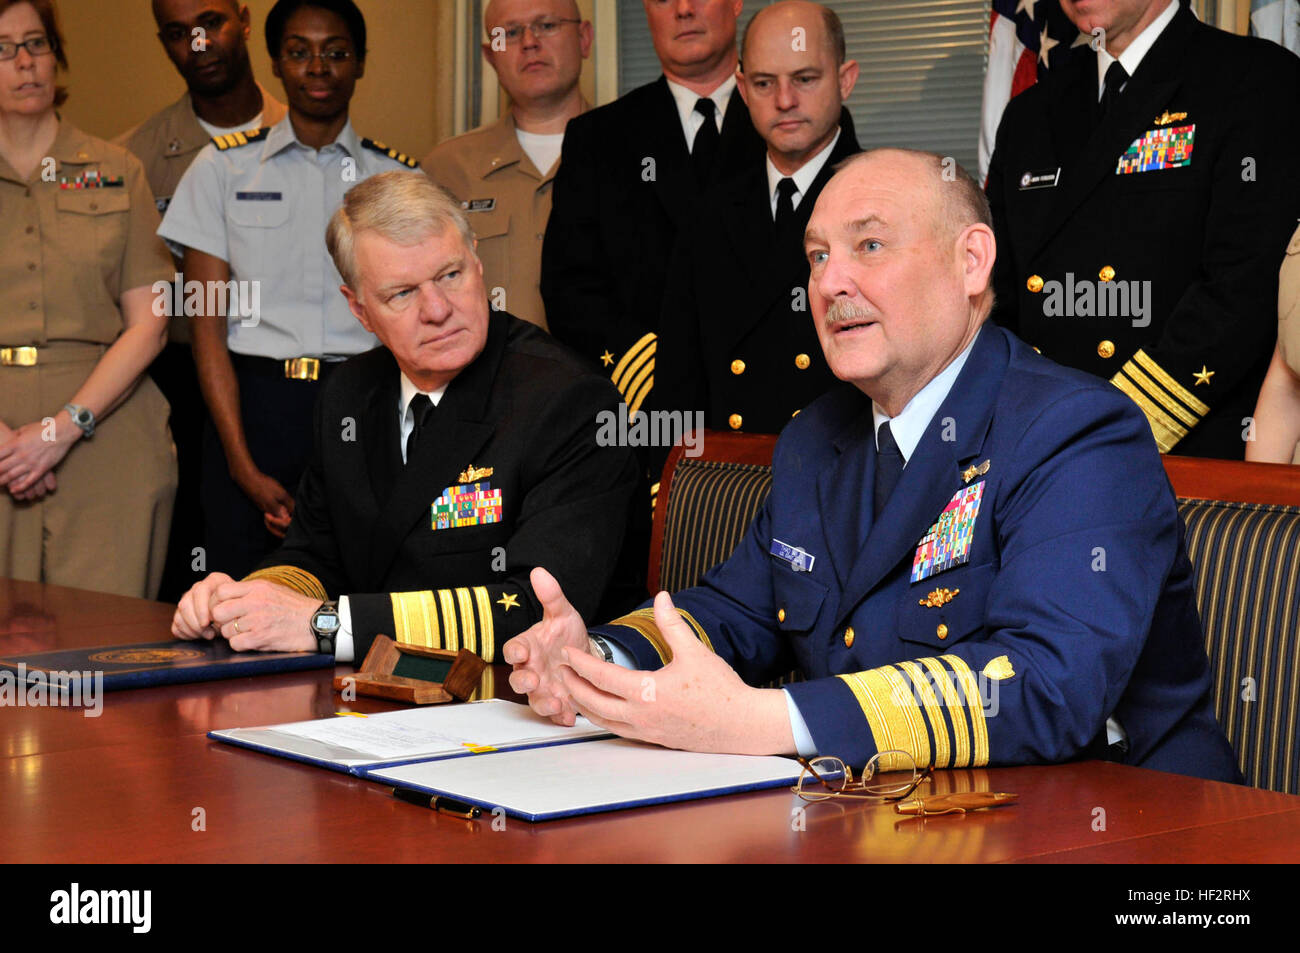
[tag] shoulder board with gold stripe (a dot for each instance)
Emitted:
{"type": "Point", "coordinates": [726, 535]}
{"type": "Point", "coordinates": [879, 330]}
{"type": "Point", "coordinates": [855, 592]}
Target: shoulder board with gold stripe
{"type": "Point", "coordinates": [234, 140]}
{"type": "Point", "coordinates": [401, 157]}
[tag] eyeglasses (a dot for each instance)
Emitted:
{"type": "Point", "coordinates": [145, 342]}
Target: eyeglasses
{"type": "Point", "coordinates": [300, 56]}
{"type": "Point", "coordinates": [36, 46]}
{"type": "Point", "coordinates": [543, 28]}
{"type": "Point", "coordinates": [894, 772]}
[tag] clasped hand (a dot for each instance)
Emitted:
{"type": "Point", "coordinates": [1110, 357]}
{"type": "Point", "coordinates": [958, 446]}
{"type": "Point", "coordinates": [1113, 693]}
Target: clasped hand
{"type": "Point", "coordinates": [256, 615]}
{"type": "Point", "coordinates": [28, 459]}
{"type": "Point", "coordinates": [696, 702]}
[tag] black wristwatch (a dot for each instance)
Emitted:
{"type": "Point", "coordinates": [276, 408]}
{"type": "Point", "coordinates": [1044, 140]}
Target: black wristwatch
{"type": "Point", "coordinates": [325, 626]}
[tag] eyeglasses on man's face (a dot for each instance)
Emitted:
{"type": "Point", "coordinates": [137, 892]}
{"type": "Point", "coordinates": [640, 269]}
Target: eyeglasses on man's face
{"type": "Point", "coordinates": [543, 28]}
{"type": "Point", "coordinates": [35, 46]}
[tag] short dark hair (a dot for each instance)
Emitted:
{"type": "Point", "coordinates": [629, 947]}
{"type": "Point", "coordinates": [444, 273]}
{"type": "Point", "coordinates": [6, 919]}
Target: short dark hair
{"type": "Point", "coordinates": [834, 34]}
{"type": "Point", "coordinates": [50, 23]}
{"type": "Point", "coordinates": [345, 9]}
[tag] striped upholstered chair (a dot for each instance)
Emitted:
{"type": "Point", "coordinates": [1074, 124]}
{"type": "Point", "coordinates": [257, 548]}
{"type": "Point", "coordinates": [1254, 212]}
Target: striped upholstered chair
{"type": "Point", "coordinates": [1243, 534]}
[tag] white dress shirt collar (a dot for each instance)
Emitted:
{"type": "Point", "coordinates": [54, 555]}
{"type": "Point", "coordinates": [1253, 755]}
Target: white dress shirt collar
{"type": "Point", "coordinates": [803, 178]}
{"type": "Point", "coordinates": [910, 424]}
{"type": "Point", "coordinates": [686, 100]}
{"type": "Point", "coordinates": [1135, 51]}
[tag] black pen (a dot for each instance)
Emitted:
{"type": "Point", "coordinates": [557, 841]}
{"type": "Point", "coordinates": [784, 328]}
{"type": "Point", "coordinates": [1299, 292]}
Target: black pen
{"type": "Point", "coordinates": [436, 802]}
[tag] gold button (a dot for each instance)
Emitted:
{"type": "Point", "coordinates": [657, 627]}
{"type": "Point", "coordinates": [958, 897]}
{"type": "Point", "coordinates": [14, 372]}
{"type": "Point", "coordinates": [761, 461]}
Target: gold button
{"type": "Point", "coordinates": [848, 637]}
{"type": "Point", "coordinates": [30, 229]}
{"type": "Point", "coordinates": [1106, 349]}
{"type": "Point", "coordinates": [1034, 284]}
{"type": "Point", "coordinates": [737, 366]}
{"type": "Point", "coordinates": [802, 361]}
{"type": "Point", "coordinates": [1107, 273]}
{"type": "Point", "coordinates": [735, 420]}
{"type": "Point", "coordinates": [942, 631]}
{"type": "Point", "coordinates": [780, 615]}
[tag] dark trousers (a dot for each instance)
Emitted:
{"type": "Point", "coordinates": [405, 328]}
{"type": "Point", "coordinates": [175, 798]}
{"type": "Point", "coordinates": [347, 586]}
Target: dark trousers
{"type": "Point", "coordinates": [173, 371]}
{"type": "Point", "coordinates": [277, 418]}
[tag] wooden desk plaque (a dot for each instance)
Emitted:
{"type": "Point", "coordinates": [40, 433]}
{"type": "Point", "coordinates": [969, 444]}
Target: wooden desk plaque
{"type": "Point", "coordinates": [414, 674]}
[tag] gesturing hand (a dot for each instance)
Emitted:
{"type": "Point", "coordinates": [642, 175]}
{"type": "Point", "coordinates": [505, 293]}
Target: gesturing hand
{"type": "Point", "coordinates": [696, 702]}
{"type": "Point", "coordinates": [536, 653]}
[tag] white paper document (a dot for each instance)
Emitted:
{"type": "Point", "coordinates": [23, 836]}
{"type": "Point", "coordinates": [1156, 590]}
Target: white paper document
{"type": "Point", "coordinates": [433, 732]}
{"type": "Point", "coordinates": [546, 783]}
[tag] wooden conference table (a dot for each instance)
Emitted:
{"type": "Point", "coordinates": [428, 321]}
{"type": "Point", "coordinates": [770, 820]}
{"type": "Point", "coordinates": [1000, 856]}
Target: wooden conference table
{"type": "Point", "coordinates": [124, 787]}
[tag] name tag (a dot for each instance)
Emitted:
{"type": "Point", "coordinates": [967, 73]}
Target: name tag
{"type": "Point", "coordinates": [479, 205]}
{"type": "Point", "coordinates": [1047, 179]}
{"type": "Point", "coordinates": [799, 560]}
{"type": "Point", "coordinates": [258, 196]}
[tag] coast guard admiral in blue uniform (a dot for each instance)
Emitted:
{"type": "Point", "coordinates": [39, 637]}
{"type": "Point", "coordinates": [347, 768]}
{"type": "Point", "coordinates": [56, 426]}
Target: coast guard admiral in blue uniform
{"type": "Point", "coordinates": [972, 554]}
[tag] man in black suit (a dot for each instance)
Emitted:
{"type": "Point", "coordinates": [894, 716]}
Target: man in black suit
{"type": "Point", "coordinates": [737, 339]}
{"type": "Point", "coordinates": [1142, 195]}
{"type": "Point", "coordinates": [446, 464]}
{"type": "Point", "coordinates": [630, 174]}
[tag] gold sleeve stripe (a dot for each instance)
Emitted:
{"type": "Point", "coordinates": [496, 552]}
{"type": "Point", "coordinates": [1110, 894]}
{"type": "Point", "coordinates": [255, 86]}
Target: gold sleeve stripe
{"type": "Point", "coordinates": [451, 635]}
{"type": "Point", "coordinates": [627, 366]}
{"type": "Point", "coordinates": [1175, 388]}
{"type": "Point", "coordinates": [960, 735]}
{"type": "Point", "coordinates": [643, 622]}
{"type": "Point", "coordinates": [487, 629]}
{"type": "Point", "coordinates": [415, 619]}
{"type": "Point", "coordinates": [1163, 428]}
{"type": "Point", "coordinates": [974, 706]}
{"type": "Point", "coordinates": [933, 712]}
{"type": "Point", "coordinates": [699, 629]}
{"type": "Point", "coordinates": [891, 712]}
{"type": "Point", "coordinates": [640, 388]}
{"type": "Point", "coordinates": [291, 577]}
{"type": "Point", "coordinates": [468, 631]}
{"type": "Point", "coordinates": [1161, 395]}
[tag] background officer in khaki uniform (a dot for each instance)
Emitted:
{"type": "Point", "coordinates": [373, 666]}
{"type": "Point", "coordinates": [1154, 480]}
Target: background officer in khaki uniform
{"type": "Point", "coordinates": [1277, 414]}
{"type": "Point", "coordinates": [207, 42]}
{"type": "Point", "coordinates": [89, 495]}
{"type": "Point", "coordinates": [502, 172]}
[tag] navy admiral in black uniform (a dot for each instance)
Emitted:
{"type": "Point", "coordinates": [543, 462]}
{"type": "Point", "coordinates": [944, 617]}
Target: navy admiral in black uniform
{"type": "Point", "coordinates": [737, 339]}
{"type": "Point", "coordinates": [630, 174]}
{"type": "Point", "coordinates": [445, 465]}
{"type": "Point", "coordinates": [1158, 178]}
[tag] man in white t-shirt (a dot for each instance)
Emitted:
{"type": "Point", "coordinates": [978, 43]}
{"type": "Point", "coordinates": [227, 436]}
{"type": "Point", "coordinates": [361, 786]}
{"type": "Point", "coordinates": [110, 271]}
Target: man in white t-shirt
{"type": "Point", "coordinates": [502, 172]}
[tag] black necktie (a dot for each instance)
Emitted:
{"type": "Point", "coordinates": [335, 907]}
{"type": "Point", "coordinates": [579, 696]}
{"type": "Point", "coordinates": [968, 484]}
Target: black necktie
{"type": "Point", "coordinates": [1116, 76]}
{"type": "Point", "coordinates": [422, 407]}
{"type": "Point", "coordinates": [785, 192]}
{"type": "Point", "coordinates": [705, 147]}
{"type": "Point", "coordinates": [889, 464]}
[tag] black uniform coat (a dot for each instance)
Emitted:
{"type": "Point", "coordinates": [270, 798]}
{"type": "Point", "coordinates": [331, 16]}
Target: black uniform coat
{"type": "Point", "coordinates": [737, 339]}
{"type": "Point", "coordinates": [624, 188]}
{"type": "Point", "coordinates": [526, 408]}
{"type": "Point", "coordinates": [1209, 236]}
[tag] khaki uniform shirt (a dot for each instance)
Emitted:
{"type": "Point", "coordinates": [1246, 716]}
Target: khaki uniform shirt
{"type": "Point", "coordinates": [1288, 312]}
{"type": "Point", "coordinates": [72, 239]}
{"type": "Point", "coordinates": [508, 202]}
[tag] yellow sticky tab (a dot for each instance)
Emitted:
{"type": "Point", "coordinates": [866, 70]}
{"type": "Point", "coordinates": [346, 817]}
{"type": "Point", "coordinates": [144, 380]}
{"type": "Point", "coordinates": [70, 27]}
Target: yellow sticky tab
{"type": "Point", "coordinates": [478, 749]}
{"type": "Point", "coordinates": [352, 714]}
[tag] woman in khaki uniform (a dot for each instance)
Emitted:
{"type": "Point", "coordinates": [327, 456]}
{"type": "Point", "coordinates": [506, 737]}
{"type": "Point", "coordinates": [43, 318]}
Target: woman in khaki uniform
{"type": "Point", "coordinates": [86, 461]}
{"type": "Point", "coordinates": [1277, 413]}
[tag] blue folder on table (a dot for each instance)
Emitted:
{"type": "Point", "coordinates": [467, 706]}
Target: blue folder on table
{"type": "Point", "coordinates": [155, 663]}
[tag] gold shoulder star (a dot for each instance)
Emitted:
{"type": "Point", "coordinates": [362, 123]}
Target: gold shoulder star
{"type": "Point", "coordinates": [508, 601]}
{"type": "Point", "coordinates": [1203, 376]}
{"type": "Point", "coordinates": [607, 358]}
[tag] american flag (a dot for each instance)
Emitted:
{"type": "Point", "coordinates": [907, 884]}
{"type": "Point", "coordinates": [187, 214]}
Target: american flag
{"type": "Point", "coordinates": [1026, 38]}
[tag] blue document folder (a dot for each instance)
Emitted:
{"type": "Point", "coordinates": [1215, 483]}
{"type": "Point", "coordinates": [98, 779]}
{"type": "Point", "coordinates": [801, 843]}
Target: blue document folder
{"type": "Point", "coordinates": [155, 663]}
